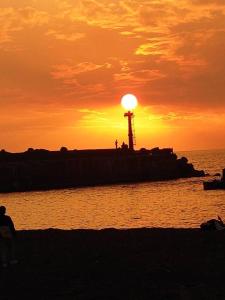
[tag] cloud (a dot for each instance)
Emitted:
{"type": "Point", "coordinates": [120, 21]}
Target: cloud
{"type": "Point", "coordinates": [105, 46]}
{"type": "Point", "coordinates": [72, 54]}
{"type": "Point", "coordinates": [208, 2]}
{"type": "Point", "coordinates": [71, 37]}
{"type": "Point", "coordinates": [89, 111]}
{"type": "Point", "coordinates": [152, 48]}
{"type": "Point", "coordinates": [14, 20]}
{"type": "Point", "coordinates": [67, 71]}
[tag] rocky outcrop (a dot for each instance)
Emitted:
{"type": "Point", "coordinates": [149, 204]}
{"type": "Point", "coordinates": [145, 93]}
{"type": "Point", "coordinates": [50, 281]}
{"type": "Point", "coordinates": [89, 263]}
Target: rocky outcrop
{"type": "Point", "coordinates": [215, 184]}
{"type": "Point", "coordinates": [42, 169]}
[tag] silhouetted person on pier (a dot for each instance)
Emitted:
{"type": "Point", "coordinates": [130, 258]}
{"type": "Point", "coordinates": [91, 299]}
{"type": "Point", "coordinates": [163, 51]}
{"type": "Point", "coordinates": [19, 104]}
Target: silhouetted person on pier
{"type": "Point", "coordinates": [7, 242]}
{"type": "Point", "coordinates": [124, 146]}
{"type": "Point", "coordinates": [116, 144]}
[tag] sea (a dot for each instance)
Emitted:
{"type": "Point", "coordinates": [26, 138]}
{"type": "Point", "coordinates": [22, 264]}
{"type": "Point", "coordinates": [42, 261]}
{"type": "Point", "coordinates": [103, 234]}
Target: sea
{"type": "Point", "coordinates": [178, 203]}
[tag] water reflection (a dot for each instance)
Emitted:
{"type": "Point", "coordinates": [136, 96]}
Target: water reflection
{"type": "Point", "coordinates": [180, 203]}
{"type": "Point", "coordinates": [177, 203]}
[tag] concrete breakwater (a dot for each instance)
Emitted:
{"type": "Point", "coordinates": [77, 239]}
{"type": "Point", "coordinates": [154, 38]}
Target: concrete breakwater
{"type": "Point", "coordinates": [42, 169]}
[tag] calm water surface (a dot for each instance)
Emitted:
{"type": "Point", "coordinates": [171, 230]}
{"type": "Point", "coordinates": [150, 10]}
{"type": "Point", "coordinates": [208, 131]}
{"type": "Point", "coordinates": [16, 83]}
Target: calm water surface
{"type": "Point", "coordinates": [176, 203]}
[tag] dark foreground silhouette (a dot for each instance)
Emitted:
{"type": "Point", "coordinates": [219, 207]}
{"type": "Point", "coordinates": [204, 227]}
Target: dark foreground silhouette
{"type": "Point", "coordinates": [110, 264]}
{"type": "Point", "coordinates": [7, 236]}
{"type": "Point", "coordinates": [42, 169]}
{"type": "Point", "coordinates": [215, 184]}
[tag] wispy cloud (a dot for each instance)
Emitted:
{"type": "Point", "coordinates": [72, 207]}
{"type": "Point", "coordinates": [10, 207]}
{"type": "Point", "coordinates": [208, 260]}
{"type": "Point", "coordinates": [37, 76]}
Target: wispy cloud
{"type": "Point", "coordinates": [87, 53]}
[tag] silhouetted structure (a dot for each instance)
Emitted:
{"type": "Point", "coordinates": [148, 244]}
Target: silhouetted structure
{"type": "Point", "coordinates": [130, 115]}
{"type": "Point", "coordinates": [215, 184]}
{"type": "Point", "coordinates": [42, 169]}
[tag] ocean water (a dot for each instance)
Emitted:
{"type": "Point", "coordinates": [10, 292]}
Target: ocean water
{"type": "Point", "coordinates": [178, 203]}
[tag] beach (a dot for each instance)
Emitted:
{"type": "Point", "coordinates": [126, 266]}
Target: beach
{"type": "Point", "coordinates": [115, 264]}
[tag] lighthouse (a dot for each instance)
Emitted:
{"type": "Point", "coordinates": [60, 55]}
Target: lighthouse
{"type": "Point", "coordinates": [129, 102]}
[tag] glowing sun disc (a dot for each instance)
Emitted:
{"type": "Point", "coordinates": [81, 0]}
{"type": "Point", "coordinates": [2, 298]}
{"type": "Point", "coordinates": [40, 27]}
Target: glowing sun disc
{"type": "Point", "coordinates": [129, 101]}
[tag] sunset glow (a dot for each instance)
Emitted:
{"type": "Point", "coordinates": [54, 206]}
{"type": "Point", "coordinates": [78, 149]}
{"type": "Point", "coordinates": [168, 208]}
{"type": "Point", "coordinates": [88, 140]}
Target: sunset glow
{"type": "Point", "coordinates": [129, 101]}
{"type": "Point", "coordinates": [65, 64]}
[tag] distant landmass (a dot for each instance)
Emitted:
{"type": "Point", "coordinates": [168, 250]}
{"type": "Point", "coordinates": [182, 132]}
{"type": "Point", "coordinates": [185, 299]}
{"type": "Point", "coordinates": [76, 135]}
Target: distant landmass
{"type": "Point", "coordinates": [40, 169]}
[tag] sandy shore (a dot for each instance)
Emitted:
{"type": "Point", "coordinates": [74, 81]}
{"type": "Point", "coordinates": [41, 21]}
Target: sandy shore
{"type": "Point", "coordinates": [117, 264]}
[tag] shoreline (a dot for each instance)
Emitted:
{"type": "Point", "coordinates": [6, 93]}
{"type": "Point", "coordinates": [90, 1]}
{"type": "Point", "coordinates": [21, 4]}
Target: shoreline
{"type": "Point", "coordinates": [141, 263]}
{"type": "Point", "coordinates": [105, 185]}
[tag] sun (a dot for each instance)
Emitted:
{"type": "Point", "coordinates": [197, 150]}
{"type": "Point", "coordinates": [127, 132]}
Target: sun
{"type": "Point", "coordinates": [129, 101]}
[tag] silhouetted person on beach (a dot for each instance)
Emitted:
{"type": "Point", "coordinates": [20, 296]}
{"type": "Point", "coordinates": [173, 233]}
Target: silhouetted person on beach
{"type": "Point", "coordinates": [7, 236]}
{"type": "Point", "coordinates": [116, 144]}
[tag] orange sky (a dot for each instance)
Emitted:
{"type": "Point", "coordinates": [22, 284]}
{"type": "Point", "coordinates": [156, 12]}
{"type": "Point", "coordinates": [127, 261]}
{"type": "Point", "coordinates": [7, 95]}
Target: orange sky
{"type": "Point", "coordinates": [65, 65]}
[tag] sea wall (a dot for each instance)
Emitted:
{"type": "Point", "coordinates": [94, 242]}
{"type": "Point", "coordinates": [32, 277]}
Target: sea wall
{"type": "Point", "coordinates": [42, 169]}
